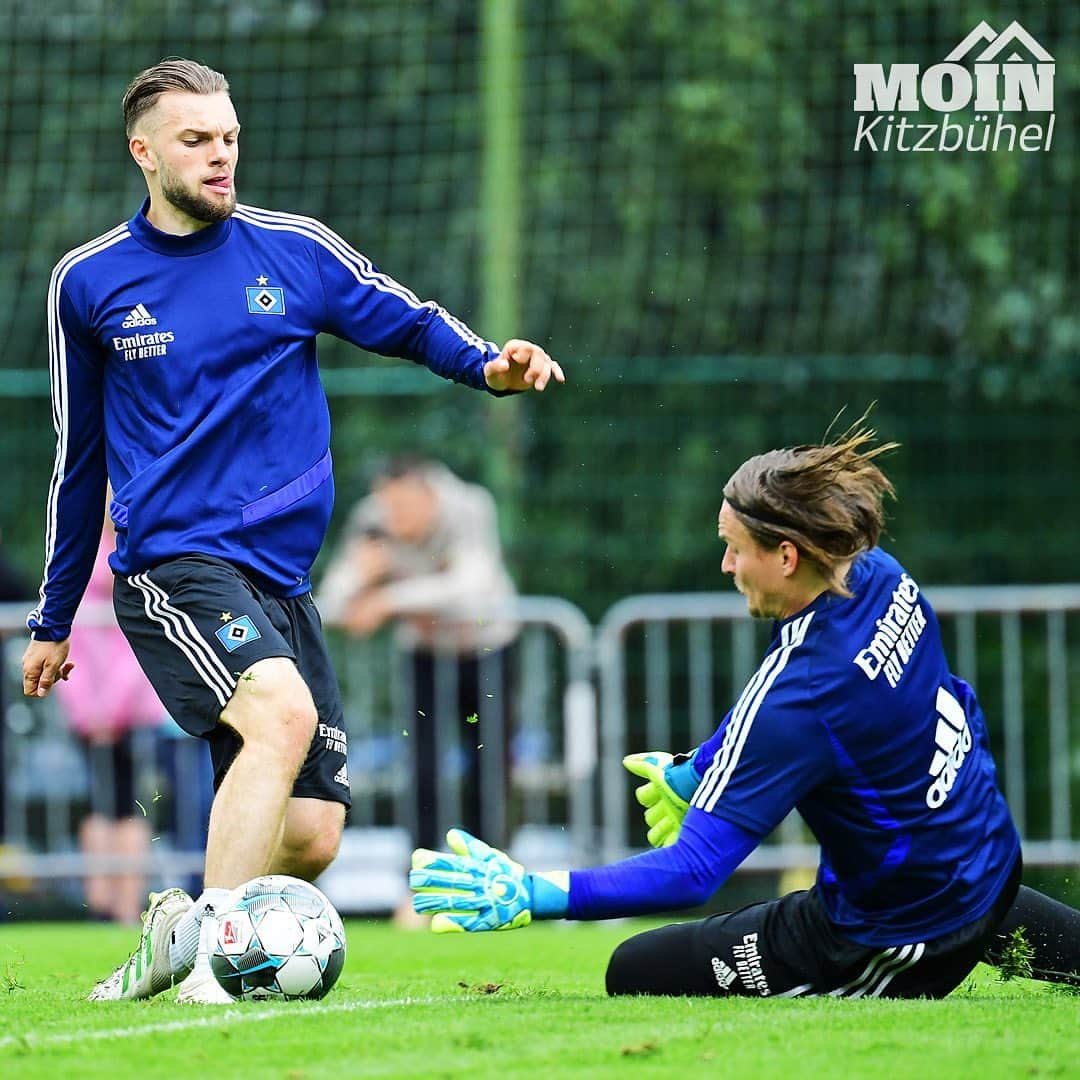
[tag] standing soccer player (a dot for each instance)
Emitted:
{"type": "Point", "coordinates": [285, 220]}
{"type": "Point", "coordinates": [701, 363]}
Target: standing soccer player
{"type": "Point", "coordinates": [854, 719]}
{"type": "Point", "coordinates": [182, 355]}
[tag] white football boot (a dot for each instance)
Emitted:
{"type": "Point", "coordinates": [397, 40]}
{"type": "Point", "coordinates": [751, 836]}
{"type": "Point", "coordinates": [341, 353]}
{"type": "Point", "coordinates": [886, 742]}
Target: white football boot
{"type": "Point", "coordinates": [147, 971]}
{"type": "Point", "coordinates": [200, 987]}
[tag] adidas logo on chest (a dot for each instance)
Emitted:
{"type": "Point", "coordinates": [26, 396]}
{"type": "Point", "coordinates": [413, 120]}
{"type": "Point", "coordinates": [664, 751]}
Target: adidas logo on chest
{"type": "Point", "coordinates": [138, 316]}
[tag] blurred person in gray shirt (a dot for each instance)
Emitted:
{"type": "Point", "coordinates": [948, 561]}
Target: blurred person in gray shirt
{"type": "Point", "coordinates": [423, 549]}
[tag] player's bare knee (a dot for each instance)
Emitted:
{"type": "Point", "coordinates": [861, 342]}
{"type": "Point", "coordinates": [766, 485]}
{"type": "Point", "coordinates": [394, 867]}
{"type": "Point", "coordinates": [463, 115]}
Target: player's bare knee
{"type": "Point", "coordinates": [289, 730]}
{"type": "Point", "coordinates": [272, 708]}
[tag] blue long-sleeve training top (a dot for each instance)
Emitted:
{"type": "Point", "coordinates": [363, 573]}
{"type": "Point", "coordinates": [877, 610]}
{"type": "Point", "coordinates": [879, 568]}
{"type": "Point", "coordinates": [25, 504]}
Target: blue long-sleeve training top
{"type": "Point", "coordinates": [183, 369]}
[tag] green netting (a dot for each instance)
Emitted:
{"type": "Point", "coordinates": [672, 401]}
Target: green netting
{"type": "Point", "coordinates": [700, 245]}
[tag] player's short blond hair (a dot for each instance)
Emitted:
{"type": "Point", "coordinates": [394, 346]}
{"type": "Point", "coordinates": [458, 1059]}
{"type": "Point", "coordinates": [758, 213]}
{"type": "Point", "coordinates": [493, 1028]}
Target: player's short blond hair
{"type": "Point", "coordinates": [172, 73]}
{"type": "Point", "coordinates": [827, 499]}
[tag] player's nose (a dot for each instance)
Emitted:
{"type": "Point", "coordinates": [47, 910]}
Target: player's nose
{"type": "Point", "coordinates": [221, 152]}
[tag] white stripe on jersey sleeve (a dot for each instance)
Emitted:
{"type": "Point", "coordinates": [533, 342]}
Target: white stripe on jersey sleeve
{"type": "Point", "coordinates": [58, 391]}
{"type": "Point", "coordinates": [357, 264]}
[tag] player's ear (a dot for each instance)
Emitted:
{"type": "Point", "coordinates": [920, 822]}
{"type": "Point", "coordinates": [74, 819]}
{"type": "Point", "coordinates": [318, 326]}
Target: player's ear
{"type": "Point", "coordinates": [139, 145]}
{"type": "Point", "coordinates": [789, 556]}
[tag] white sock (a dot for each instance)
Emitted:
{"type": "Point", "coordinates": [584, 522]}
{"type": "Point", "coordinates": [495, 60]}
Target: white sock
{"type": "Point", "coordinates": [184, 946]}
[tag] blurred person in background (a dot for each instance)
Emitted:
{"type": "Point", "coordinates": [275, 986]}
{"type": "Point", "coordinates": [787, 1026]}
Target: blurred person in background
{"type": "Point", "coordinates": [423, 550]}
{"type": "Point", "coordinates": [184, 369]}
{"type": "Point", "coordinates": [106, 705]}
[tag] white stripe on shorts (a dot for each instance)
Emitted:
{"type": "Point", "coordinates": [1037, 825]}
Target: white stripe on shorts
{"type": "Point", "coordinates": [181, 631]}
{"type": "Point", "coordinates": [909, 956]}
{"type": "Point", "coordinates": [881, 971]}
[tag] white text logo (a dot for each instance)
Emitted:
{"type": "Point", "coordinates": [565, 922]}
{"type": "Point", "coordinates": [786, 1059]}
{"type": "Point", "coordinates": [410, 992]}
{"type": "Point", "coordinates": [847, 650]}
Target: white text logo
{"type": "Point", "coordinates": [725, 975]}
{"type": "Point", "coordinates": [144, 346]}
{"type": "Point", "coordinates": [953, 738]}
{"type": "Point", "coordinates": [138, 316]}
{"type": "Point", "coordinates": [896, 634]}
{"type": "Point", "coordinates": [999, 82]}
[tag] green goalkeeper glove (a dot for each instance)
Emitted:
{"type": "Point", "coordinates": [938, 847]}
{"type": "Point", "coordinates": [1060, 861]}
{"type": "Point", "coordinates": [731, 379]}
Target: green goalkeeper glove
{"type": "Point", "coordinates": [477, 887]}
{"type": "Point", "coordinates": [671, 783]}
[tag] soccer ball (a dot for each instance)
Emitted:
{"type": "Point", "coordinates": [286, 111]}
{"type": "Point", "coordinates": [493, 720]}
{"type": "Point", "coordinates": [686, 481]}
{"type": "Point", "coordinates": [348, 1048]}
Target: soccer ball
{"type": "Point", "coordinates": [278, 937]}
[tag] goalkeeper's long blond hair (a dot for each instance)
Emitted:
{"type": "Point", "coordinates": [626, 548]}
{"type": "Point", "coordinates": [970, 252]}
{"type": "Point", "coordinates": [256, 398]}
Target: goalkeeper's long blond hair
{"type": "Point", "coordinates": [827, 499]}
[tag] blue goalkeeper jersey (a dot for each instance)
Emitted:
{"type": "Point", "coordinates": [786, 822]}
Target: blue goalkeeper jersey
{"type": "Point", "coordinates": [854, 719]}
{"type": "Point", "coordinates": [184, 369]}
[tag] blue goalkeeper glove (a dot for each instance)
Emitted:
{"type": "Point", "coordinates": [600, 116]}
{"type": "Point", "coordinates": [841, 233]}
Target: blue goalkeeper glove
{"type": "Point", "coordinates": [477, 887]}
{"type": "Point", "coordinates": [671, 783]}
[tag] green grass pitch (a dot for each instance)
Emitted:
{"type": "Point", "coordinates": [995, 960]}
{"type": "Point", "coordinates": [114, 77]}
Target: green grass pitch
{"type": "Point", "coordinates": [528, 1003]}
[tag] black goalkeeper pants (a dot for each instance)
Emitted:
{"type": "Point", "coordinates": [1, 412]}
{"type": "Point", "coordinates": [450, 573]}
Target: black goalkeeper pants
{"type": "Point", "coordinates": [1051, 930]}
{"type": "Point", "coordinates": [789, 948]}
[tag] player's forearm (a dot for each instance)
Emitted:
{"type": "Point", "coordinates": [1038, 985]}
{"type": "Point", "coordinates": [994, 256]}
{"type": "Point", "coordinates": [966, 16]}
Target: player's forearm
{"type": "Point", "coordinates": [681, 876]}
{"type": "Point", "coordinates": [447, 347]}
{"type": "Point", "coordinates": [74, 518]}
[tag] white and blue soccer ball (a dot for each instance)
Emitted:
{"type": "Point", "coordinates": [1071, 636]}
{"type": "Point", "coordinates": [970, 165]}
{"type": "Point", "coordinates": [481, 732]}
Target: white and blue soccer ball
{"type": "Point", "coordinates": [278, 938]}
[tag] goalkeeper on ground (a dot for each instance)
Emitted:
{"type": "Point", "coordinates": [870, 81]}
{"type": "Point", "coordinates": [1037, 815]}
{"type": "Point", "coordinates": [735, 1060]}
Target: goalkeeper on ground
{"type": "Point", "coordinates": [854, 719]}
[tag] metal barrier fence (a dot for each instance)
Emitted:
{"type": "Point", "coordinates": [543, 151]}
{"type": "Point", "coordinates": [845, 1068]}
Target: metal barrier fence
{"type": "Point", "coordinates": [535, 774]}
{"type": "Point", "coordinates": [663, 668]}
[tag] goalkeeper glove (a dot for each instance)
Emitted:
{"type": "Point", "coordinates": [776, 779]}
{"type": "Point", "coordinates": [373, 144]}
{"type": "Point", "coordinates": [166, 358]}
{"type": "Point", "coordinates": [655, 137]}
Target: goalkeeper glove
{"type": "Point", "coordinates": [477, 887]}
{"type": "Point", "coordinates": [666, 796]}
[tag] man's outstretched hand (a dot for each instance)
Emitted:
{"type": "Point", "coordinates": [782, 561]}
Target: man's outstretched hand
{"type": "Point", "coordinates": [522, 366]}
{"type": "Point", "coordinates": [473, 887]}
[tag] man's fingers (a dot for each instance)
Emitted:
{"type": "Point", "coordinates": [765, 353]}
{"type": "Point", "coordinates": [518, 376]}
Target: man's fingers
{"type": "Point", "coordinates": [428, 903]}
{"type": "Point", "coordinates": [46, 679]}
{"type": "Point", "coordinates": [518, 350]}
{"type": "Point", "coordinates": [31, 678]}
{"type": "Point", "coordinates": [442, 923]}
{"type": "Point", "coordinates": [539, 368]}
{"type": "Point", "coordinates": [661, 836]}
{"type": "Point", "coordinates": [438, 862]}
{"type": "Point", "coordinates": [423, 858]}
{"type": "Point", "coordinates": [647, 795]}
{"type": "Point", "coordinates": [649, 766]}
{"type": "Point", "coordinates": [468, 846]}
{"type": "Point", "coordinates": [441, 881]}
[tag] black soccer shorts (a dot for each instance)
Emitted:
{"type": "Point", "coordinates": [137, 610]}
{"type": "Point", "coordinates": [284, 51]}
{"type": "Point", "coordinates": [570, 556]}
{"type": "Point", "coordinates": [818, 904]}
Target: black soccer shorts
{"type": "Point", "coordinates": [789, 948]}
{"type": "Point", "coordinates": [197, 623]}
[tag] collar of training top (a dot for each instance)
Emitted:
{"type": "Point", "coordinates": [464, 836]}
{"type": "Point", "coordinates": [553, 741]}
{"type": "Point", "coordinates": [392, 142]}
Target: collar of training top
{"type": "Point", "coordinates": [167, 244]}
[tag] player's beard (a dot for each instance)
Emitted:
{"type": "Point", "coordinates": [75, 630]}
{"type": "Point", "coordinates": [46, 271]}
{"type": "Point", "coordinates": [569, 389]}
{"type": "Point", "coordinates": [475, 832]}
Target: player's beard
{"type": "Point", "coordinates": [196, 206]}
